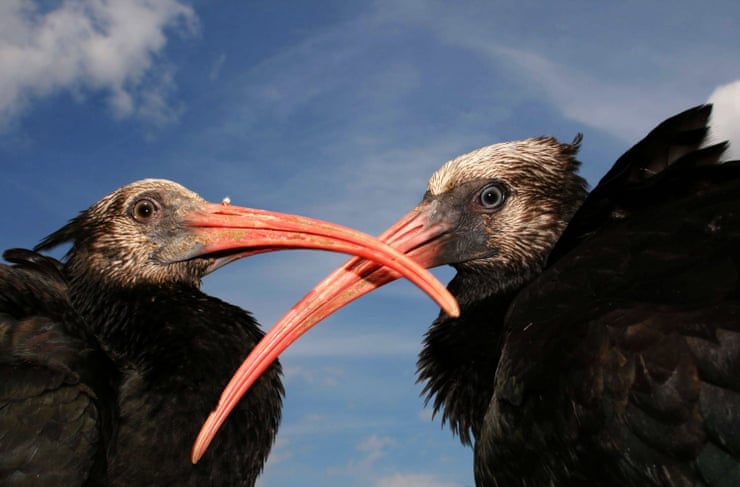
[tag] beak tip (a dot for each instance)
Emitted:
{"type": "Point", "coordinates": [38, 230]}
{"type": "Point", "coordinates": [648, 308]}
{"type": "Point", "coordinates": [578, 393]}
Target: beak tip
{"type": "Point", "coordinates": [199, 447]}
{"type": "Point", "coordinates": [195, 455]}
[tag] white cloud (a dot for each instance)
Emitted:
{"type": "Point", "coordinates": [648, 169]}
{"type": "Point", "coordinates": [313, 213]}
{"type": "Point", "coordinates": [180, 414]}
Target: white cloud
{"type": "Point", "coordinates": [623, 84]}
{"type": "Point", "coordinates": [88, 46]}
{"type": "Point", "coordinates": [621, 108]}
{"type": "Point", "coordinates": [616, 107]}
{"type": "Point", "coordinates": [313, 376]}
{"type": "Point", "coordinates": [426, 415]}
{"type": "Point", "coordinates": [413, 480]}
{"type": "Point", "coordinates": [374, 448]}
{"type": "Point", "coordinates": [726, 117]}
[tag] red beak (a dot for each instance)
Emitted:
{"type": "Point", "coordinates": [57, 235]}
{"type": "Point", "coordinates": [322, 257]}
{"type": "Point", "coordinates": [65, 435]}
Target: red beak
{"type": "Point", "coordinates": [416, 235]}
{"type": "Point", "coordinates": [226, 233]}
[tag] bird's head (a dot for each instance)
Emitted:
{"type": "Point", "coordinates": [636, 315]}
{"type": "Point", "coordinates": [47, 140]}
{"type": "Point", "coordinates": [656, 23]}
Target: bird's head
{"type": "Point", "coordinates": [157, 232]}
{"type": "Point", "coordinates": [497, 210]}
{"type": "Point", "coordinates": [138, 233]}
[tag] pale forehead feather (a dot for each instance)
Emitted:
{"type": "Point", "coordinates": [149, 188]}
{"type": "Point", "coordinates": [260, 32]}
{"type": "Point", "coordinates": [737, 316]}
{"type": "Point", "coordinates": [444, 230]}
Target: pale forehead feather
{"type": "Point", "coordinates": [143, 185]}
{"type": "Point", "coordinates": [498, 161]}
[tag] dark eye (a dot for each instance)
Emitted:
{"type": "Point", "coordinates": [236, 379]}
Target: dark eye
{"type": "Point", "coordinates": [492, 196]}
{"type": "Point", "coordinates": [144, 210]}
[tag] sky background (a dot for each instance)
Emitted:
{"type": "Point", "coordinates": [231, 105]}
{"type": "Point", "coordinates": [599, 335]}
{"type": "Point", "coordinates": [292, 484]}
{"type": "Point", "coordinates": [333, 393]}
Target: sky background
{"type": "Point", "coordinates": [339, 110]}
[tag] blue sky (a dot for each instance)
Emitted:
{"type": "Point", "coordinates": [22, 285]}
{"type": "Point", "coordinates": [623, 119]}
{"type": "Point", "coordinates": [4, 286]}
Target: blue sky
{"type": "Point", "coordinates": [339, 110]}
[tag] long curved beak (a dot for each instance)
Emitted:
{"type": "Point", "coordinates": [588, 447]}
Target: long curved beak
{"type": "Point", "coordinates": [225, 233]}
{"type": "Point", "coordinates": [417, 235]}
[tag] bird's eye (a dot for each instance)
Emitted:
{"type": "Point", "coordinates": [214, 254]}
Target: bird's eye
{"type": "Point", "coordinates": [144, 210]}
{"type": "Point", "coordinates": [492, 196]}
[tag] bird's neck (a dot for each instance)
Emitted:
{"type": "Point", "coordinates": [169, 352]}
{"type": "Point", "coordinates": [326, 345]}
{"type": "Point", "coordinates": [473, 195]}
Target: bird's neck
{"type": "Point", "coordinates": [459, 358]}
{"type": "Point", "coordinates": [127, 321]}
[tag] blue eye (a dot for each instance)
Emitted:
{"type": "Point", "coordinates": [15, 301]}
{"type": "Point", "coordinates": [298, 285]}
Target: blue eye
{"type": "Point", "coordinates": [492, 196]}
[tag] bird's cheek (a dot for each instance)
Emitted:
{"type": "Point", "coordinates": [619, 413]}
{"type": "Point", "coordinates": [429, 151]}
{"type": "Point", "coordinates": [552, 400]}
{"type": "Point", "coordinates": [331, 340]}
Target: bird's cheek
{"type": "Point", "coordinates": [479, 240]}
{"type": "Point", "coordinates": [456, 249]}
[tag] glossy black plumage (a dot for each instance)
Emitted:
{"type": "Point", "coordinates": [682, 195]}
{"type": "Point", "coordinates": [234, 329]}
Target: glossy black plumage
{"type": "Point", "coordinates": [56, 400]}
{"type": "Point", "coordinates": [619, 363]}
{"type": "Point", "coordinates": [106, 374]}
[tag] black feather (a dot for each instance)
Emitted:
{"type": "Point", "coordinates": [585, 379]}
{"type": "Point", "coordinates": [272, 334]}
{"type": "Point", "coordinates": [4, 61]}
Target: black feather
{"type": "Point", "coordinates": [103, 379]}
{"type": "Point", "coordinates": [618, 363]}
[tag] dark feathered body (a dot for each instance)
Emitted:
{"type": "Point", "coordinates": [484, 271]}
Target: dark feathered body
{"type": "Point", "coordinates": [124, 404]}
{"type": "Point", "coordinates": [111, 360]}
{"type": "Point", "coordinates": [170, 344]}
{"type": "Point", "coordinates": [618, 365]}
{"type": "Point", "coordinates": [56, 395]}
{"type": "Point", "coordinates": [622, 360]}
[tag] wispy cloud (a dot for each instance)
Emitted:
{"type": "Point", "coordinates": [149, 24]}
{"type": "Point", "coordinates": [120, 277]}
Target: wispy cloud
{"type": "Point", "coordinates": [374, 448]}
{"type": "Point", "coordinates": [620, 83]}
{"type": "Point", "coordinates": [87, 46]}
{"type": "Point", "coordinates": [216, 67]}
{"type": "Point", "coordinates": [371, 449]}
{"type": "Point", "coordinates": [613, 106]}
{"type": "Point", "coordinates": [287, 81]}
{"type": "Point", "coordinates": [426, 415]}
{"type": "Point", "coordinates": [326, 377]}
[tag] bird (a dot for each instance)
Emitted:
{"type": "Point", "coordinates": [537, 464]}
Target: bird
{"type": "Point", "coordinates": [599, 336]}
{"type": "Point", "coordinates": [112, 356]}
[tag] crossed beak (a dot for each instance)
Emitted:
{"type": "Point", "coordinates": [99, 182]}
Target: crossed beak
{"type": "Point", "coordinates": [419, 236]}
